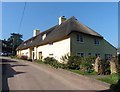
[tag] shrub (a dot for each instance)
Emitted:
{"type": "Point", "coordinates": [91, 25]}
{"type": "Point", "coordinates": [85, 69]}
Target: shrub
{"type": "Point", "coordinates": [51, 61]}
{"type": "Point", "coordinates": [39, 61]}
{"type": "Point", "coordinates": [24, 57]}
{"type": "Point", "coordinates": [86, 64]}
{"type": "Point", "coordinates": [65, 58]}
{"type": "Point", "coordinates": [107, 67]}
{"type": "Point", "coordinates": [47, 60]}
{"type": "Point", "coordinates": [29, 59]}
{"type": "Point", "coordinates": [74, 62]}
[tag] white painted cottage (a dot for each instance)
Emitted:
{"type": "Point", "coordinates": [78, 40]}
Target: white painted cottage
{"type": "Point", "coordinates": [68, 36]}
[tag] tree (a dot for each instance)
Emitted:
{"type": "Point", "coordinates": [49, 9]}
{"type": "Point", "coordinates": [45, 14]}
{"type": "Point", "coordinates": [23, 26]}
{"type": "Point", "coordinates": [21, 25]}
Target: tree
{"type": "Point", "coordinates": [14, 41]}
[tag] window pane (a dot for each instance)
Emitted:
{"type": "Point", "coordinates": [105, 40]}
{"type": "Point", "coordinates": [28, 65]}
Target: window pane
{"type": "Point", "coordinates": [80, 54]}
{"type": "Point", "coordinates": [96, 41]}
{"type": "Point", "coordinates": [79, 38]}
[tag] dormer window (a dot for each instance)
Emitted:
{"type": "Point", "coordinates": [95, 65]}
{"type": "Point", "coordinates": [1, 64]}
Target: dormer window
{"type": "Point", "coordinates": [44, 36]}
{"type": "Point", "coordinates": [80, 38]}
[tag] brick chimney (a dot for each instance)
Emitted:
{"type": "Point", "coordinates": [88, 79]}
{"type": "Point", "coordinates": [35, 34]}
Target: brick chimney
{"type": "Point", "coordinates": [61, 19]}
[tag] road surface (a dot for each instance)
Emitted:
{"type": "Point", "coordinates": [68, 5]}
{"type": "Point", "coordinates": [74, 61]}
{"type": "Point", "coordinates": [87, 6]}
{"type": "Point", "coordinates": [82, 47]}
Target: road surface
{"type": "Point", "coordinates": [23, 75]}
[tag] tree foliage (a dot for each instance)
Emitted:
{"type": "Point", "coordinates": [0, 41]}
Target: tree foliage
{"type": "Point", "coordinates": [14, 41]}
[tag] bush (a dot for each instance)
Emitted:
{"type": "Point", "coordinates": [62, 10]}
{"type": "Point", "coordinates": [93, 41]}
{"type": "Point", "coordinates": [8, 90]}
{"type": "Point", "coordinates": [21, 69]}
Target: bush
{"type": "Point", "coordinates": [47, 60]}
{"type": "Point", "coordinates": [65, 58]}
{"type": "Point", "coordinates": [39, 61]}
{"type": "Point", "coordinates": [86, 64]}
{"type": "Point", "coordinates": [24, 57]}
{"type": "Point", "coordinates": [107, 67]}
{"type": "Point", "coordinates": [74, 62]}
{"type": "Point", "coordinates": [52, 61]}
{"type": "Point", "coordinates": [29, 59]}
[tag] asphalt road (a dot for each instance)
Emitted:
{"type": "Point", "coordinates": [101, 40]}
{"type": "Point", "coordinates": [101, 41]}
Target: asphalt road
{"type": "Point", "coordinates": [22, 75]}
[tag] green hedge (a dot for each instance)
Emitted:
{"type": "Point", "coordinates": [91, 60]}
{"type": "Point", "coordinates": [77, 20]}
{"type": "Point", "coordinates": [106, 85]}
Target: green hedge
{"type": "Point", "coordinates": [52, 61]}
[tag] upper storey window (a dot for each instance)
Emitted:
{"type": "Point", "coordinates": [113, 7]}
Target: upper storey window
{"type": "Point", "coordinates": [80, 38]}
{"type": "Point", "coordinates": [96, 41]}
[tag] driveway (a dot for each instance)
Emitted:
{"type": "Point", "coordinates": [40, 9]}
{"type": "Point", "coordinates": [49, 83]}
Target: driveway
{"type": "Point", "coordinates": [23, 75]}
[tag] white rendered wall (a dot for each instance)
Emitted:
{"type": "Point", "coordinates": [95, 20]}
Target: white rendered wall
{"type": "Point", "coordinates": [25, 52]}
{"type": "Point", "coordinates": [58, 49]}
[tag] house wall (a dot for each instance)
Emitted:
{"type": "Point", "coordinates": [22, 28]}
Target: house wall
{"type": "Point", "coordinates": [89, 47]}
{"type": "Point", "coordinates": [25, 52]}
{"type": "Point", "coordinates": [57, 49]}
{"type": "Point", "coordinates": [108, 48]}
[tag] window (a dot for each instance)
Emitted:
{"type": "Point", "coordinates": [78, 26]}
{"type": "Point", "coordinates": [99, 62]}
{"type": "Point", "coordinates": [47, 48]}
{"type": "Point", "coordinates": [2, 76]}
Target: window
{"type": "Point", "coordinates": [40, 55]}
{"type": "Point", "coordinates": [80, 54]}
{"type": "Point", "coordinates": [96, 41]}
{"type": "Point", "coordinates": [108, 56]}
{"type": "Point", "coordinates": [97, 54]}
{"type": "Point", "coordinates": [50, 43]}
{"type": "Point", "coordinates": [89, 54]}
{"type": "Point", "coordinates": [80, 38]}
{"type": "Point", "coordinates": [51, 55]}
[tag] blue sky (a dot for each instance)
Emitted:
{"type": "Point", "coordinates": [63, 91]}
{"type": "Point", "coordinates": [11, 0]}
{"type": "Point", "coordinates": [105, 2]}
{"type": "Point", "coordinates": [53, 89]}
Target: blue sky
{"type": "Point", "coordinates": [101, 17]}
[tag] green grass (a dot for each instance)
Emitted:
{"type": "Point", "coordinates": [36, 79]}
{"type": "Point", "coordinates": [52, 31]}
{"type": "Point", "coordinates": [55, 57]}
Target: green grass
{"type": "Point", "coordinates": [83, 73]}
{"type": "Point", "coordinates": [39, 61]}
{"type": "Point", "coordinates": [112, 79]}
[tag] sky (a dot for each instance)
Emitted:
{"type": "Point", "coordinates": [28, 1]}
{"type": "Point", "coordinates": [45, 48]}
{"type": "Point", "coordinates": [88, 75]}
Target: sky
{"type": "Point", "coordinates": [99, 16]}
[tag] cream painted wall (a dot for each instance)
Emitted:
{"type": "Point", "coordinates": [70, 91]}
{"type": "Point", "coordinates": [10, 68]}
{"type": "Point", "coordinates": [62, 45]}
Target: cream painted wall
{"type": "Point", "coordinates": [25, 52]}
{"type": "Point", "coordinates": [58, 49]}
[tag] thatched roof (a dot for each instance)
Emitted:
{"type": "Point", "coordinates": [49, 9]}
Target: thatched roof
{"type": "Point", "coordinates": [59, 32]}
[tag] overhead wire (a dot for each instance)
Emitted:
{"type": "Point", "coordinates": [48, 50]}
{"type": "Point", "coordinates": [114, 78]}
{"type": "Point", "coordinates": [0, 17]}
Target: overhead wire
{"type": "Point", "coordinates": [22, 18]}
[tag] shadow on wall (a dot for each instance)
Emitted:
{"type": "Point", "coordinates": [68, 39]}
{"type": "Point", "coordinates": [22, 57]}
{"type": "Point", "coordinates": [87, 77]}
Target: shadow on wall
{"type": "Point", "coordinates": [7, 72]}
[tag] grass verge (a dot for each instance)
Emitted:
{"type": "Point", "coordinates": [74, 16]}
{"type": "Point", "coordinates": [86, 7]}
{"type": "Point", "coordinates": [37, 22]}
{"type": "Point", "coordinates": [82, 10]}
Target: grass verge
{"type": "Point", "coordinates": [83, 73]}
{"type": "Point", "coordinates": [112, 79]}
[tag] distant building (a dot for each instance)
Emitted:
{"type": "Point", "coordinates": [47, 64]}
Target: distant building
{"type": "Point", "coordinates": [68, 36]}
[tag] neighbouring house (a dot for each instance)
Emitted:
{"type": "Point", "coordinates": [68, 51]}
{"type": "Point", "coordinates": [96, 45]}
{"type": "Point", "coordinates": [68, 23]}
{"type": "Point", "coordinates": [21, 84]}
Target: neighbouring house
{"type": "Point", "coordinates": [68, 36]}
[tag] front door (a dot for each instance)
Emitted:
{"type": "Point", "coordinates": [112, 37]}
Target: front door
{"type": "Point", "coordinates": [33, 55]}
{"type": "Point", "coordinates": [40, 55]}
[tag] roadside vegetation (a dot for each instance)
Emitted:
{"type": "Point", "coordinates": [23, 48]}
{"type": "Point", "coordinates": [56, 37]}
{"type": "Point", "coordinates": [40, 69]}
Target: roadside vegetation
{"type": "Point", "coordinates": [80, 65]}
{"type": "Point", "coordinates": [112, 79]}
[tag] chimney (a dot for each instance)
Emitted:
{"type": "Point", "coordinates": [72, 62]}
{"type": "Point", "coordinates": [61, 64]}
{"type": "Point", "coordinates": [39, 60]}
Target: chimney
{"type": "Point", "coordinates": [61, 19]}
{"type": "Point", "coordinates": [36, 32]}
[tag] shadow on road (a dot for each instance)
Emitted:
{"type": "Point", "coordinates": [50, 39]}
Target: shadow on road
{"type": "Point", "coordinates": [8, 72]}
